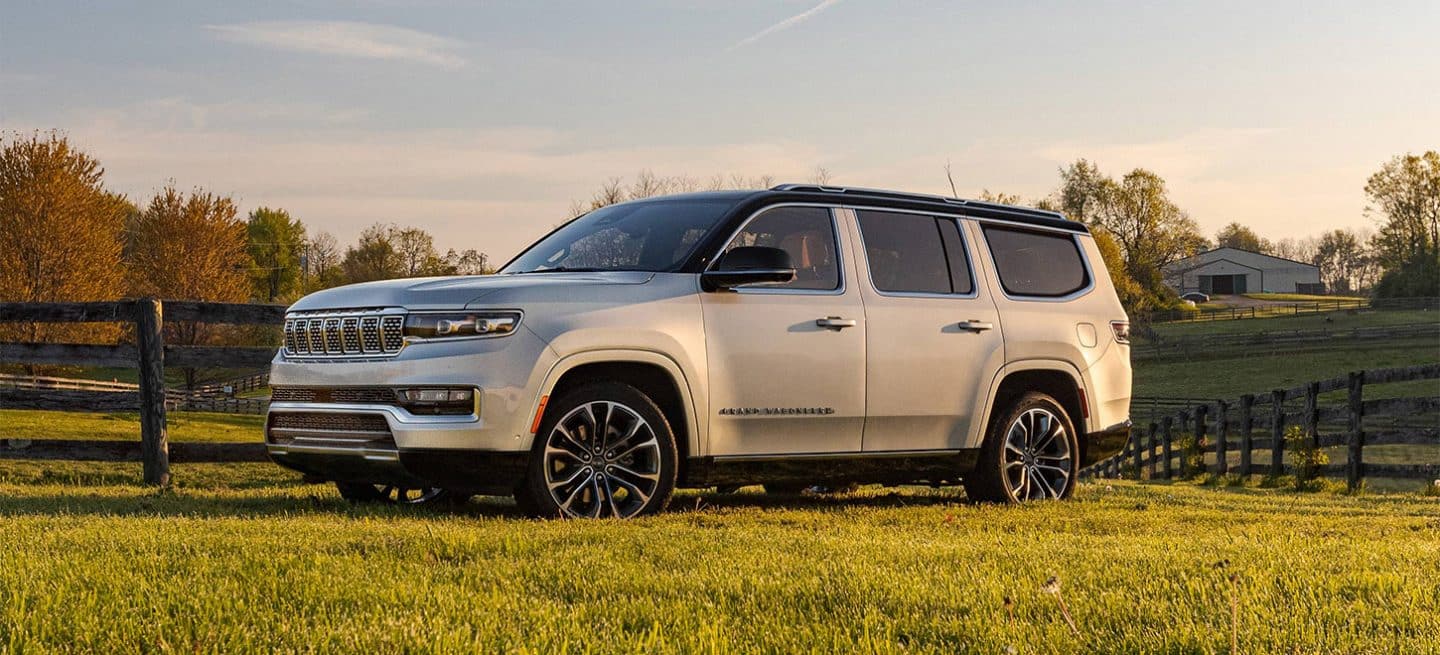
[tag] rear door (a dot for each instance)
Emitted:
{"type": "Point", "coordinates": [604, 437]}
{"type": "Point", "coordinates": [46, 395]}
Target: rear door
{"type": "Point", "coordinates": [933, 341]}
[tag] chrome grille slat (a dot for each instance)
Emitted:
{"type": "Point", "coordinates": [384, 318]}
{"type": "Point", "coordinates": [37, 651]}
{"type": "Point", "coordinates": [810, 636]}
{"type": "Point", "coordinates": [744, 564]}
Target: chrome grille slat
{"type": "Point", "coordinates": [344, 334]}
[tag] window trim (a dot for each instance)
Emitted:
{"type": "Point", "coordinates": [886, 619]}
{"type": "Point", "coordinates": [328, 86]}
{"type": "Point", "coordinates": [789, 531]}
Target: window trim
{"type": "Point", "coordinates": [781, 291]}
{"type": "Point", "coordinates": [1074, 239]}
{"type": "Point", "coordinates": [964, 243]}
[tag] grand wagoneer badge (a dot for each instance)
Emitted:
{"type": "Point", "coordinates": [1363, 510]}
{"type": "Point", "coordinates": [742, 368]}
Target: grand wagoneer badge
{"type": "Point", "coordinates": [777, 411]}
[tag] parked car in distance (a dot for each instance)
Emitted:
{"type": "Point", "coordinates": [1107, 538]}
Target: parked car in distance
{"type": "Point", "coordinates": [1195, 297]}
{"type": "Point", "coordinates": [796, 336]}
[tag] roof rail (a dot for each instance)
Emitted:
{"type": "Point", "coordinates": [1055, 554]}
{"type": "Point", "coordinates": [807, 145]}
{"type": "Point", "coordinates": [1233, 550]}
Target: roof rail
{"type": "Point", "coordinates": [902, 195]}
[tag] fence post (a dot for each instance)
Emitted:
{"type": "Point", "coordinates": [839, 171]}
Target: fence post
{"type": "Point", "coordinates": [1168, 422]}
{"type": "Point", "coordinates": [1138, 436]}
{"type": "Point", "coordinates": [1277, 432]}
{"type": "Point", "coordinates": [150, 342]}
{"type": "Point", "coordinates": [1247, 424]}
{"type": "Point", "coordinates": [1223, 434]}
{"type": "Point", "coordinates": [1185, 427]}
{"type": "Point", "coordinates": [1201, 431]}
{"type": "Point", "coordinates": [1150, 448]}
{"type": "Point", "coordinates": [1355, 468]}
{"type": "Point", "coordinates": [1312, 412]}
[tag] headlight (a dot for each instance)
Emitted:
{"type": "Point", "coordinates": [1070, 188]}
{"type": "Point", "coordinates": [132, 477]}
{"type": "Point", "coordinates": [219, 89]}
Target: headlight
{"type": "Point", "coordinates": [459, 325]}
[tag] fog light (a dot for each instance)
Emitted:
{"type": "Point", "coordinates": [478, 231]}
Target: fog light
{"type": "Point", "coordinates": [430, 395]}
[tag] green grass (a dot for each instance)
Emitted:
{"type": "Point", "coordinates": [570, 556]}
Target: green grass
{"type": "Point", "coordinates": [226, 566]}
{"type": "Point", "coordinates": [1229, 378]}
{"type": "Point", "coordinates": [125, 426]}
{"type": "Point", "coordinates": [1341, 320]}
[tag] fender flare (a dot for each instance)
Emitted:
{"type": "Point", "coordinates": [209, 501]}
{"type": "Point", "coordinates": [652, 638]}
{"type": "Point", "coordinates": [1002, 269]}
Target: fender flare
{"type": "Point", "coordinates": [626, 355]}
{"type": "Point", "coordinates": [1039, 364]}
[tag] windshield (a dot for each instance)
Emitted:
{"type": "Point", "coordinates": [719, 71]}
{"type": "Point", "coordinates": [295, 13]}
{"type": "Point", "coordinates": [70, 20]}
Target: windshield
{"type": "Point", "coordinates": [650, 235]}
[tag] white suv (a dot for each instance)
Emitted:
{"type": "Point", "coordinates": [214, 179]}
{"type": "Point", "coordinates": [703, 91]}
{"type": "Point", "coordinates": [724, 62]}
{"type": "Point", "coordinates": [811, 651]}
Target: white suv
{"type": "Point", "coordinates": [790, 337]}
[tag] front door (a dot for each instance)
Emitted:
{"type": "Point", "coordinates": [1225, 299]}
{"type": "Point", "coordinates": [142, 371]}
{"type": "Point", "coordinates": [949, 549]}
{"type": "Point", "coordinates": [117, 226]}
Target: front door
{"type": "Point", "coordinates": [933, 339]}
{"type": "Point", "coordinates": [787, 362]}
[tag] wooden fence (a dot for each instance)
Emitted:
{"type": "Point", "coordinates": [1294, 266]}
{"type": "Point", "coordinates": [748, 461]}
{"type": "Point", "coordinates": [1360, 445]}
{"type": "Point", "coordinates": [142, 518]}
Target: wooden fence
{"type": "Point", "coordinates": [1155, 451]}
{"type": "Point", "coordinates": [150, 355]}
{"type": "Point", "coordinates": [1256, 311]}
{"type": "Point", "coordinates": [209, 398]}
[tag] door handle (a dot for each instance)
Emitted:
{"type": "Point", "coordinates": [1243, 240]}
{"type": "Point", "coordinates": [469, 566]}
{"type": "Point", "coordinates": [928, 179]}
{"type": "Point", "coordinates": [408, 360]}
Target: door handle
{"type": "Point", "coordinates": [835, 322]}
{"type": "Point", "coordinates": [976, 326]}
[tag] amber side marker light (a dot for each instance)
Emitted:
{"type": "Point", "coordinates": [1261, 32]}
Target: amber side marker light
{"type": "Point", "coordinates": [539, 414]}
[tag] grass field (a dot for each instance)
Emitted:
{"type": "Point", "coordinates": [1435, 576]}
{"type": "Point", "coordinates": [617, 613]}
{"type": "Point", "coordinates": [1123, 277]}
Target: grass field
{"type": "Point", "coordinates": [1341, 320]}
{"type": "Point", "coordinates": [229, 565]}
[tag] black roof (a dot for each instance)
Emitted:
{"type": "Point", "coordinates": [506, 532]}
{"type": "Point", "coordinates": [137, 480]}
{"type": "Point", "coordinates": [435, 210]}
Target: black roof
{"type": "Point", "coordinates": [925, 202]}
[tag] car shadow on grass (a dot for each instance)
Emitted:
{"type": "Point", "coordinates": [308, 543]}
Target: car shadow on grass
{"type": "Point", "coordinates": [53, 500]}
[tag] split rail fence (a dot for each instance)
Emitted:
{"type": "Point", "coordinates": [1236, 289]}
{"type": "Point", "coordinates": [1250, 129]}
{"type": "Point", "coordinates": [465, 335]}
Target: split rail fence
{"type": "Point", "coordinates": [1256, 424]}
{"type": "Point", "coordinates": [149, 355]}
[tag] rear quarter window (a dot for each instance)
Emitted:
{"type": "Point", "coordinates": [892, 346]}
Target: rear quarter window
{"type": "Point", "coordinates": [1033, 263]}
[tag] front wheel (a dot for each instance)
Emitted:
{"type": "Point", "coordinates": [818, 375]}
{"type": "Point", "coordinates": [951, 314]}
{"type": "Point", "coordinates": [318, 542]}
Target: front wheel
{"type": "Point", "coordinates": [1031, 452]}
{"type": "Point", "coordinates": [603, 450]}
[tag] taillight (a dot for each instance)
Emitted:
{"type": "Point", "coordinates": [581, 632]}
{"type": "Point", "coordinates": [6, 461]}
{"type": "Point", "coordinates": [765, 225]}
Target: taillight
{"type": "Point", "coordinates": [1121, 330]}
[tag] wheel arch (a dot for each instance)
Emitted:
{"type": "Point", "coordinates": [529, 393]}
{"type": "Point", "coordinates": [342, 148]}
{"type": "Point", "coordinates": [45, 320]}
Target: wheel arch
{"type": "Point", "coordinates": [1055, 378]}
{"type": "Point", "coordinates": [655, 374]}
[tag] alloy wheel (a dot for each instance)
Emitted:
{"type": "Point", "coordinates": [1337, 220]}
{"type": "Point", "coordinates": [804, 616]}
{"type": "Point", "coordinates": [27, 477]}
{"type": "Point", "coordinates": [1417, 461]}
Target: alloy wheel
{"type": "Point", "coordinates": [602, 459]}
{"type": "Point", "coordinates": [1037, 456]}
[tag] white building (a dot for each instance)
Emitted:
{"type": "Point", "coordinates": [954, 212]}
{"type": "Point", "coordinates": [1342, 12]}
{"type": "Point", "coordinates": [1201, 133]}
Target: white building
{"type": "Point", "coordinates": [1232, 270]}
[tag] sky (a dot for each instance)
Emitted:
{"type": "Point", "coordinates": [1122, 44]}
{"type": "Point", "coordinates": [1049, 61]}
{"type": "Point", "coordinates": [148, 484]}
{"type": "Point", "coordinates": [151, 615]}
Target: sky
{"type": "Point", "coordinates": [483, 122]}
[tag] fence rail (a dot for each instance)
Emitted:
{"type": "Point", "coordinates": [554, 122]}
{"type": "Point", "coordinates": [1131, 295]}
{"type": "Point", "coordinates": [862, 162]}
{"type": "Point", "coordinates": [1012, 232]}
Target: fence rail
{"type": "Point", "coordinates": [149, 354]}
{"type": "Point", "coordinates": [1224, 427]}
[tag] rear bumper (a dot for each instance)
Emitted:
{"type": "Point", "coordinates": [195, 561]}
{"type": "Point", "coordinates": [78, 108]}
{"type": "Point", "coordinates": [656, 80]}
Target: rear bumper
{"type": "Point", "coordinates": [1104, 443]}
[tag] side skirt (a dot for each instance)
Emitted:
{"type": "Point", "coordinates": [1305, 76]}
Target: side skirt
{"type": "Point", "coordinates": [905, 467]}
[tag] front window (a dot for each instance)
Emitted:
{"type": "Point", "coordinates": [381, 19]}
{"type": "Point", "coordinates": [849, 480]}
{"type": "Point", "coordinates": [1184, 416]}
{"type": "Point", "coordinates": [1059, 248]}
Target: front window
{"type": "Point", "coordinates": [808, 234]}
{"type": "Point", "coordinates": [650, 235]}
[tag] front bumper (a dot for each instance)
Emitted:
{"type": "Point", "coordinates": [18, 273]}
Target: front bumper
{"type": "Point", "coordinates": [388, 445]}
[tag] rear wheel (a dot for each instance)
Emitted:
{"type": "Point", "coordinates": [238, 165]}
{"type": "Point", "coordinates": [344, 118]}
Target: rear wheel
{"type": "Point", "coordinates": [603, 450]}
{"type": "Point", "coordinates": [1030, 453]}
{"type": "Point", "coordinates": [364, 492]}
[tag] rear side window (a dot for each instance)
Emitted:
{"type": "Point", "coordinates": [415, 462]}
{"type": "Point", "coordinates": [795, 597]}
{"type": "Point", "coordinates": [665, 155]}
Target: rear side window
{"type": "Point", "coordinates": [1036, 263]}
{"type": "Point", "coordinates": [913, 253]}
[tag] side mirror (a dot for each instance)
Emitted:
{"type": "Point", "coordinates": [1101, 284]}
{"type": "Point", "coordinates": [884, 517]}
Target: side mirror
{"type": "Point", "coordinates": [749, 265]}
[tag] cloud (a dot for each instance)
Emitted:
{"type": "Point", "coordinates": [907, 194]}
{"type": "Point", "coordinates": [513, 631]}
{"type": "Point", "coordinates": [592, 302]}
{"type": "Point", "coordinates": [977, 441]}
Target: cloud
{"type": "Point", "coordinates": [346, 39]}
{"type": "Point", "coordinates": [785, 24]}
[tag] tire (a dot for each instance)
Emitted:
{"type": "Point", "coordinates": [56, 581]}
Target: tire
{"type": "Point", "coordinates": [364, 492]}
{"type": "Point", "coordinates": [628, 471]}
{"type": "Point", "coordinates": [1031, 452]}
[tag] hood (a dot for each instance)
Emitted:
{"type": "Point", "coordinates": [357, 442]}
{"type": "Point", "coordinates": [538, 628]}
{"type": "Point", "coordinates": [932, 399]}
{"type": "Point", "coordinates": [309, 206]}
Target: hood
{"type": "Point", "coordinates": [455, 292]}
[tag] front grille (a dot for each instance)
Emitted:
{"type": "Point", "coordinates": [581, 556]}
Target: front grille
{"type": "Point", "coordinates": [362, 433]}
{"type": "Point", "coordinates": [331, 422]}
{"type": "Point", "coordinates": [353, 395]}
{"type": "Point", "coordinates": [344, 334]}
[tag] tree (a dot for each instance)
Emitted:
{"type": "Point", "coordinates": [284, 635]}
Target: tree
{"type": "Point", "coordinates": [373, 257]}
{"type": "Point", "coordinates": [1404, 197]}
{"type": "Point", "coordinates": [467, 262]}
{"type": "Point", "coordinates": [275, 242]}
{"type": "Point", "coordinates": [1300, 250]}
{"type": "Point", "coordinates": [1341, 257]}
{"type": "Point", "coordinates": [1136, 211]}
{"type": "Point", "coordinates": [320, 263]}
{"type": "Point", "coordinates": [416, 250]}
{"type": "Point", "coordinates": [60, 233]}
{"type": "Point", "coordinates": [1236, 235]}
{"type": "Point", "coordinates": [189, 247]}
